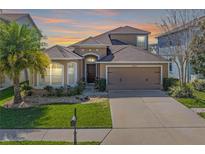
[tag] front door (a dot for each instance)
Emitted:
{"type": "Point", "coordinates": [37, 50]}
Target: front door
{"type": "Point", "coordinates": [91, 73]}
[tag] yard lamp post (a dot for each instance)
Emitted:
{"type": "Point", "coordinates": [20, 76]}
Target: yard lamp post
{"type": "Point", "coordinates": [73, 124]}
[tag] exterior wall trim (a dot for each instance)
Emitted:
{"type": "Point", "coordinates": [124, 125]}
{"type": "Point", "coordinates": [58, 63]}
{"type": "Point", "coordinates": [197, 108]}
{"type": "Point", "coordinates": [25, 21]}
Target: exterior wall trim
{"type": "Point", "coordinates": [66, 58]}
{"type": "Point", "coordinates": [161, 70]}
{"type": "Point", "coordinates": [91, 53]}
{"type": "Point", "coordinates": [76, 72]}
{"type": "Point", "coordinates": [133, 62]}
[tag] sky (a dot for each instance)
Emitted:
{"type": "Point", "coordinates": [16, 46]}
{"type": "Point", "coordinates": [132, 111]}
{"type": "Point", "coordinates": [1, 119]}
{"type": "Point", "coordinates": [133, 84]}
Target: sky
{"type": "Point", "coordinates": [65, 27]}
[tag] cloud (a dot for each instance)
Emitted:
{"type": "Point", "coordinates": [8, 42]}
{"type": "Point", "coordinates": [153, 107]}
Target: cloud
{"type": "Point", "coordinates": [78, 32]}
{"type": "Point", "coordinates": [46, 20]}
{"type": "Point", "coordinates": [62, 40]}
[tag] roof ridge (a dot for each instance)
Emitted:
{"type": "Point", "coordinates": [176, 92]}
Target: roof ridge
{"type": "Point", "coordinates": [66, 49]}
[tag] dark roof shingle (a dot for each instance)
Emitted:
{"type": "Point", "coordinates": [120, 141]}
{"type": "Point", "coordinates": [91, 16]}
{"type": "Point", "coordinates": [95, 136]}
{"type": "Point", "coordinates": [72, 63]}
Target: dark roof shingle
{"type": "Point", "coordinates": [11, 16]}
{"type": "Point", "coordinates": [104, 38]}
{"type": "Point", "coordinates": [129, 53]}
{"type": "Point", "coordinates": [60, 52]}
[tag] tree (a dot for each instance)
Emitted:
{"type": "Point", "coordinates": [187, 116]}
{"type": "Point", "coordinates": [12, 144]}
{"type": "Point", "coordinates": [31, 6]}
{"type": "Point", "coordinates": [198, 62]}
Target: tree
{"type": "Point", "coordinates": [181, 26]}
{"type": "Point", "coordinates": [198, 47]}
{"type": "Point", "coordinates": [20, 49]}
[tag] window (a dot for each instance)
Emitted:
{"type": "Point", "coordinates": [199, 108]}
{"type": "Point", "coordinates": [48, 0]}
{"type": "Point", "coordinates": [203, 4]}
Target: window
{"type": "Point", "coordinates": [53, 76]}
{"type": "Point", "coordinates": [90, 59]}
{"type": "Point", "coordinates": [57, 74]}
{"type": "Point", "coordinates": [170, 65]}
{"type": "Point", "coordinates": [141, 41]}
{"type": "Point", "coordinates": [72, 73]}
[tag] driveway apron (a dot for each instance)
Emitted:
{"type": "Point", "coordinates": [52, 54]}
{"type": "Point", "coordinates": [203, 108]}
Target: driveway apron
{"type": "Point", "coordinates": [151, 117]}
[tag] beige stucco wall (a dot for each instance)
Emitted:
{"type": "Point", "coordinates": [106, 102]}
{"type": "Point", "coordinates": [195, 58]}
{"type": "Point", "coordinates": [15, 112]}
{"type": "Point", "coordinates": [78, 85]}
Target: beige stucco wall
{"type": "Point", "coordinates": [64, 63]}
{"type": "Point", "coordinates": [102, 68]}
{"type": "Point", "coordinates": [128, 38]}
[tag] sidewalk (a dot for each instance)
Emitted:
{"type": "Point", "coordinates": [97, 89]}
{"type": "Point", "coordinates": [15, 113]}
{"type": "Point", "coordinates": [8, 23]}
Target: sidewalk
{"type": "Point", "coordinates": [52, 134]}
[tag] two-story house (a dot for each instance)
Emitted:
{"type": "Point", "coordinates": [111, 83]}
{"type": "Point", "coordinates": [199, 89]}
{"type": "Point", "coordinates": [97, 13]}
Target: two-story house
{"type": "Point", "coordinates": [23, 19]}
{"type": "Point", "coordinates": [179, 37]}
{"type": "Point", "coordinates": [120, 56]}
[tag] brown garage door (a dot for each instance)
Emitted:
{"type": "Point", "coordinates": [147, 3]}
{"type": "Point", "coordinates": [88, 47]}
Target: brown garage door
{"type": "Point", "coordinates": [133, 78]}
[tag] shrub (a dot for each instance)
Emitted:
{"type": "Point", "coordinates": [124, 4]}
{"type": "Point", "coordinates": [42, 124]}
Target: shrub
{"type": "Point", "coordinates": [100, 84]}
{"type": "Point", "coordinates": [77, 90]}
{"type": "Point", "coordinates": [199, 84]}
{"type": "Point", "coordinates": [81, 85]}
{"type": "Point", "coordinates": [49, 89]}
{"type": "Point", "coordinates": [169, 82]}
{"type": "Point", "coordinates": [26, 89]}
{"type": "Point", "coordinates": [59, 91]}
{"type": "Point", "coordinates": [185, 91]}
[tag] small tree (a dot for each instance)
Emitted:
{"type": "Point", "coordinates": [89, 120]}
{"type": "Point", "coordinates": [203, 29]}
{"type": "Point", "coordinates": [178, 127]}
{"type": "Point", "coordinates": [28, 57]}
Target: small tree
{"type": "Point", "coordinates": [180, 25]}
{"type": "Point", "coordinates": [20, 49]}
{"type": "Point", "coordinates": [198, 47]}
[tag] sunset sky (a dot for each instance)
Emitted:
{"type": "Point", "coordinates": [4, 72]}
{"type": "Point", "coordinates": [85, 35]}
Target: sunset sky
{"type": "Point", "coordinates": [65, 27]}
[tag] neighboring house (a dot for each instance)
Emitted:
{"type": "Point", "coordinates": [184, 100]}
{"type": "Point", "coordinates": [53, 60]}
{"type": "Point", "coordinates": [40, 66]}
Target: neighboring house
{"type": "Point", "coordinates": [166, 46]}
{"type": "Point", "coordinates": [153, 48]}
{"type": "Point", "coordinates": [20, 19]}
{"type": "Point", "coordinates": [120, 56]}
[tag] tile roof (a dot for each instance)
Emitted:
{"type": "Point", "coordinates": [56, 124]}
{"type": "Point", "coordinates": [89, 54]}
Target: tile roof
{"type": "Point", "coordinates": [11, 16]}
{"type": "Point", "coordinates": [88, 41]}
{"type": "Point", "coordinates": [104, 38]}
{"type": "Point", "coordinates": [129, 53]}
{"type": "Point", "coordinates": [60, 52]}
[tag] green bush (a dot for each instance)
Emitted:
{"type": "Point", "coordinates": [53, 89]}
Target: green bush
{"type": "Point", "coordinates": [100, 84]}
{"type": "Point", "coordinates": [199, 84]}
{"type": "Point", "coordinates": [169, 82]}
{"type": "Point", "coordinates": [59, 91]}
{"type": "Point", "coordinates": [77, 90]}
{"type": "Point", "coordinates": [26, 89]}
{"type": "Point", "coordinates": [50, 90]}
{"type": "Point", "coordinates": [185, 91]}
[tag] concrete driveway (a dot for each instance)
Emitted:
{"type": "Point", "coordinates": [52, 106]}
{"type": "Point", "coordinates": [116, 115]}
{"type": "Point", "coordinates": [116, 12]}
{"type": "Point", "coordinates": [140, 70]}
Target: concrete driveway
{"type": "Point", "coordinates": [151, 117]}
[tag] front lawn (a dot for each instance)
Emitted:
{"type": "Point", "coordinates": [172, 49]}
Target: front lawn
{"type": "Point", "coordinates": [45, 143]}
{"type": "Point", "coordinates": [6, 95]}
{"type": "Point", "coordinates": [90, 115]}
{"type": "Point", "coordinates": [197, 102]}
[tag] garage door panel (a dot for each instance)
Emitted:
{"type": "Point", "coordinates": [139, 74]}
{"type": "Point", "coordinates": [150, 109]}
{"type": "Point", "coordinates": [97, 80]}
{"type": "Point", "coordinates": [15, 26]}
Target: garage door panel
{"type": "Point", "coordinates": [122, 78]}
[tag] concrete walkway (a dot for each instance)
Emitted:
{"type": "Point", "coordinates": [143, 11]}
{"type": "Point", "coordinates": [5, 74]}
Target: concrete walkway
{"type": "Point", "coordinates": [52, 134]}
{"type": "Point", "coordinates": [150, 117]}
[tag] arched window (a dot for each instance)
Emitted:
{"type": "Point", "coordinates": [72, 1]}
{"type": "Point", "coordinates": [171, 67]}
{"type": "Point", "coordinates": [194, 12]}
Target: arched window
{"type": "Point", "coordinates": [72, 73]}
{"type": "Point", "coordinates": [54, 75]}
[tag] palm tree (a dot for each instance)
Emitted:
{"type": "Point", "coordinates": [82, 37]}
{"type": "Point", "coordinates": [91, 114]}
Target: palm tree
{"type": "Point", "coordinates": [20, 49]}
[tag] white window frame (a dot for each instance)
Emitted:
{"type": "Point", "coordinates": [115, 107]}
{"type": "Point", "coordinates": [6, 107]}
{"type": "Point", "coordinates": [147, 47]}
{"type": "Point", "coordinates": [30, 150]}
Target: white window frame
{"type": "Point", "coordinates": [50, 75]}
{"type": "Point", "coordinates": [75, 73]}
{"type": "Point", "coordinates": [145, 41]}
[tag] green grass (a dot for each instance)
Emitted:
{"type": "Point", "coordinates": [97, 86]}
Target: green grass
{"type": "Point", "coordinates": [45, 143]}
{"type": "Point", "coordinates": [6, 95]}
{"type": "Point", "coordinates": [93, 115]}
{"type": "Point", "coordinates": [197, 102]}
